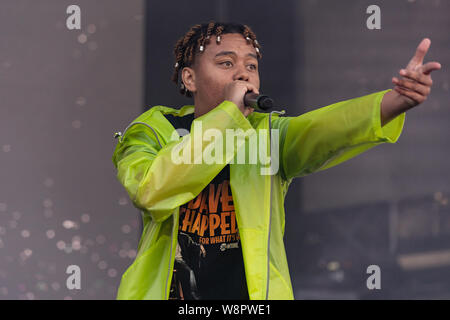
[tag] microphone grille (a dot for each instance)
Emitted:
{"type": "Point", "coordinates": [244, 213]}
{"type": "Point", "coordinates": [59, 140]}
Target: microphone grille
{"type": "Point", "coordinates": [265, 103]}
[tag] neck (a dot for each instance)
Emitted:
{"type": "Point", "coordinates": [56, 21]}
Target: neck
{"type": "Point", "coordinates": [200, 108]}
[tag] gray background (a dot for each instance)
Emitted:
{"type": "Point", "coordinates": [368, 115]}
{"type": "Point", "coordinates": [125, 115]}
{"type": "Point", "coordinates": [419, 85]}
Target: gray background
{"type": "Point", "coordinates": [63, 94]}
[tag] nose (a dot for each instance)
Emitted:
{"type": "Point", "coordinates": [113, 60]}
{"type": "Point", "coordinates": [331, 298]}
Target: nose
{"type": "Point", "coordinates": [241, 74]}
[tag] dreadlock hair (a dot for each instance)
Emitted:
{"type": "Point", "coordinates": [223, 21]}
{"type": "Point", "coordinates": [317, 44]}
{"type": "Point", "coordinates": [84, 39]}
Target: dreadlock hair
{"type": "Point", "coordinates": [194, 41]}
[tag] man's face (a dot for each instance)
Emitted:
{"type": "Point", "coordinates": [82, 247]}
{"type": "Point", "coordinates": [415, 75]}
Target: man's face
{"type": "Point", "coordinates": [219, 64]}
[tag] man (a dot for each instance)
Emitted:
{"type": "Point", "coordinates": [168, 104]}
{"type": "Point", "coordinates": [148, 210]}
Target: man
{"type": "Point", "coordinates": [235, 210]}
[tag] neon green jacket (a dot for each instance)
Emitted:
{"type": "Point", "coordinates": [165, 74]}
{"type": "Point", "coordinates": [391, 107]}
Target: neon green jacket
{"type": "Point", "coordinates": [308, 143]}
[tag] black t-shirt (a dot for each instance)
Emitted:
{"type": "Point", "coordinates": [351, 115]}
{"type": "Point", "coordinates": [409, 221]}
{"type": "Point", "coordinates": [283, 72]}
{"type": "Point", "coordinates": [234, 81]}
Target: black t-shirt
{"type": "Point", "coordinates": [208, 260]}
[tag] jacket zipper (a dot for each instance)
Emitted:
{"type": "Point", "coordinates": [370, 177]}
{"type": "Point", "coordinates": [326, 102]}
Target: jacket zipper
{"type": "Point", "coordinates": [270, 202]}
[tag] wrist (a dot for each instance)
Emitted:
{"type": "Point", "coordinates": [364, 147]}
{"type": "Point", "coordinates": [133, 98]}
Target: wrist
{"type": "Point", "coordinates": [392, 105]}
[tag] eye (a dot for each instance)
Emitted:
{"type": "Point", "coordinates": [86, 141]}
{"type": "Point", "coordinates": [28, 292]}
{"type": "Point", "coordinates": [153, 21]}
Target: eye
{"type": "Point", "coordinates": [254, 66]}
{"type": "Point", "coordinates": [226, 62]}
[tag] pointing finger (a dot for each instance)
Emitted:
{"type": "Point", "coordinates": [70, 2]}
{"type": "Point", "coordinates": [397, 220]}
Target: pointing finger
{"type": "Point", "coordinates": [421, 51]}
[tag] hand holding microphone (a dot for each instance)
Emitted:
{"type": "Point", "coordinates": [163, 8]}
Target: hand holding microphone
{"type": "Point", "coordinates": [246, 96]}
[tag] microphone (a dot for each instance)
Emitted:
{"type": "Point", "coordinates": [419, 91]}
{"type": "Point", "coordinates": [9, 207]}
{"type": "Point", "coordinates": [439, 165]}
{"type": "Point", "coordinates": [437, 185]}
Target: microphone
{"type": "Point", "coordinates": [258, 101]}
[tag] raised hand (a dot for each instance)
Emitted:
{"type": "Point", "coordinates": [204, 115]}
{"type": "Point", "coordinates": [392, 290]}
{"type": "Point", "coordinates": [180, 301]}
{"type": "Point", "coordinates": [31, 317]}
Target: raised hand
{"type": "Point", "coordinates": [415, 85]}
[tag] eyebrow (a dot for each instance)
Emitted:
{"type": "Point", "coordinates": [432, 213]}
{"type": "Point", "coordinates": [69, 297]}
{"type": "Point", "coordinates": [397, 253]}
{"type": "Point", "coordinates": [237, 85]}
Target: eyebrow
{"type": "Point", "coordinates": [226, 53]}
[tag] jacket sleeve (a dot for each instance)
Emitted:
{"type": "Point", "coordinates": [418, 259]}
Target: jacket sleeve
{"type": "Point", "coordinates": [156, 181]}
{"type": "Point", "coordinates": [325, 137]}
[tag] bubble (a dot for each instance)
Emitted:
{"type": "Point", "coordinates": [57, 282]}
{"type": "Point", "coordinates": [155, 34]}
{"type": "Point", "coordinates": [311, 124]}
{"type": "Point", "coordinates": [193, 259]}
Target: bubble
{"type": "Point", "coordinates": [100, 239]}
{"type": "Point", "coordinates": [437, 195]}
{"type": "Point", "coordinates": [112, 273]}
{"type": "Point", "coordinates": [55, 286]}
{"type": "Point", "coordinates": [25, 233]}
{"type": "Point", "coordinates": [88, 242]}
{"type": "Point", "coordinates": [81, 101]}
{"type": "Point", "coordinates": [95, 257]}
{"type": "Point", "coordinates": [131, 254]}
{"type": "Point", "coordinates": [30, 295]}
{"type": "Point", "coordinates": [48, 182]}
{"type": "Point", "coordinates": [126, 228]}
{"type": "Point", "coordinates": [6, 148]}
{"type": "Point", "coordinates": [76, 124]}
{"type": "Point", "coordinates": [76, 243]}
{"type": "Point", "coordinates": [123, 253]}
{"type": "Point", "coordinates": [47, 203]}
{"type": "Point", "coordinates": [102, 265]}
{"type": "Point", "coordinates": [123, 201]}
{"type": "Point", "coordinates": [41, 286]}
{"type": "Point", "coordinates": [85, 218]}
{"type": "Point", "coordinates": [333, 265]}
{"type": "Point", "coordinates": [445, 86]}
{"type": "Point", "coordinates": [16, 215]}
{"type": "Point", "coordinates": [91, 28]}
{"type": "Point", "coordinates": [69, 224]}
{"type": "Point", "coordinates": [50, 234]}
{"type": "Point", "coordinates": [82, 38]}
{"type": "Point", "coordinates": [68, 248]}
{"type": "Point", "coordinates": [61, 245]}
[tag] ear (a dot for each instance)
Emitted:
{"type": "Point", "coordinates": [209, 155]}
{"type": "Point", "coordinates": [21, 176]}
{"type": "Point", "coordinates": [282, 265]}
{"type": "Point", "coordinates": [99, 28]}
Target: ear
{"type": "Point", "coordinates": [188, 78]}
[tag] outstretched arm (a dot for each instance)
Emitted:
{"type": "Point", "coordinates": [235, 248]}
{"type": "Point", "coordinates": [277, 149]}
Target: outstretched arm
{"type": "Point", "coordinates": [413, 88]}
